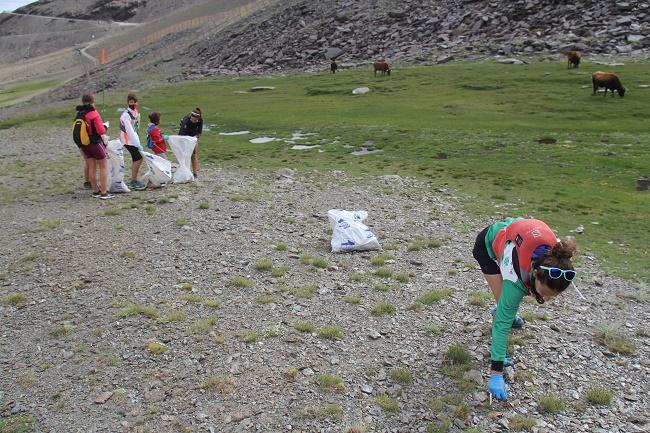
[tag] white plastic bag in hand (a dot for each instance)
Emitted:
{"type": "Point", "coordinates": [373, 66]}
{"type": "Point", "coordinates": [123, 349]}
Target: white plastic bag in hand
{"type": "Point", "coordinates": [115, 152]}
{"type": "Point", "coordinates": [183, 146]}
{"type": "Point", "coordinates": [159, 169]}
{"type": "Point", "coordinates": [349, 233]}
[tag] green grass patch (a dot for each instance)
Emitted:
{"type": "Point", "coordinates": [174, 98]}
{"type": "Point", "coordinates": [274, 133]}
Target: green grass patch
{"type": "Point", "coordinates": [387, 403]}
{"type": "Point", "coordinates": [305, 327]}
{"type": "Point", "coordinates": [243, 282]}
{"type": "Point", "coordinates": [113, 212]}
{"type": "Point", "coordinates": [383, 308]}
{"type": "Point", "coordinates": [45, 225]}
{"type": "Point", "coordinates": [15, 299]}
{"type": "Point", "coordinates": [599, 396]}
{"type": "Point", "coordinates": [434, 296]}
{"type": "Point", "coordinates": [383, 272]}
{"type": "Point", "coordinates": [463, 142]}
{"type": "Point", "coordinates": [612, 337]}
{"type": "Point", "coordinates": [143, 310]}
{"type": "Point", "coordinates": [330, 332]}
{"type": "Point", "coordinates": [331, 382]}
{"type": "Point", "coordinates": [263, 264]}
{"type": "Point", "coordinates": [432, 329]}
{"type": "Point", "coordinates": [204, 205]}
{"type": "Point", "coordinates": [266, 299]}
{"type": "Point", "coordinates": [221, 383]}
{"type": "Point", "coordinates": [402, 278]}
{"type": "Point", "coordinates": [520, 422]}
{"type": "Point", "coordinates": [401, 375]}
{"type": "Point", "coordinates": [281, 247]}
{"type": "Point", "coordinates": [352, 299]}
{"type": "Point", "coordinates": [382, 287]}
{"type": "Point", "coordinates": [157, 348]}
{"type": "Point", "coordinates": [203, 326]}
{"type": "Point", "coordinates": [479, 298]}
{"type": "Point", "coordinates": [457, 354]}
{"type": "Point", "coordinates": [380, 259]}
{"type": "Point", "coordinates": [61, 331]}
{"type": "Point", "coordinates": [305, 292]}
{"type": "Point", "coordinates": [17, 424]}
{"type": "Point", "coordinates": [279, 271]}
{"type": "Point", "coordinates": [551, 403]}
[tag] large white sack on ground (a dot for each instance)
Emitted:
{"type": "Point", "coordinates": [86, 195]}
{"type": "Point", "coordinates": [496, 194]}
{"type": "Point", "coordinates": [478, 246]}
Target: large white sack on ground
{"type": "Point", "coordinates": [159, 169]}
{"type": "Point", "coordinates": [116, 170]}
{"type": "Point", "coordinates": [349, 233]}
{"type": "Point", "coordinates": [182, 146]}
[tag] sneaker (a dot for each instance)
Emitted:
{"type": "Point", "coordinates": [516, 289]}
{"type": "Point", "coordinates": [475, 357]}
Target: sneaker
{"type": "Point", "coordinates": [87, 185]}
{"type": "Point", "coordinates": [508, 362]}
{"type": "Point", "coordinates": [196, 175]}
{"type": "Point", "coordinates": [137, 186]}
{"type": "Point", "coordinates": [163, 184]}
{"type": "Point", "coordinates": [517, 323]}
{"type": "Point", "coordinates": [96, 194]}
{"type": "Point", "coordinates": [106, 196]}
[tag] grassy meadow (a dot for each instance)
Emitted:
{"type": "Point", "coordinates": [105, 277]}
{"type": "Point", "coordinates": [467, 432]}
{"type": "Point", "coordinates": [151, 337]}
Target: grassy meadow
{"type": "Point", "coordinates": [474, 128]}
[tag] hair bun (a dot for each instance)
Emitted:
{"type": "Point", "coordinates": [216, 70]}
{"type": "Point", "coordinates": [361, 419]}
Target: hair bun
{"type": "Point", "coordinates": [564, 249]}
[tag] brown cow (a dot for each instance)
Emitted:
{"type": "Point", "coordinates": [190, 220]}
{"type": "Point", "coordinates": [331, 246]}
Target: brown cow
{"type": "Point", "coordinates": [381, 66]}
{"type": "Point", "coordinates": [609, 81]}
{"type": "Point", "coordinates": [573, 59]}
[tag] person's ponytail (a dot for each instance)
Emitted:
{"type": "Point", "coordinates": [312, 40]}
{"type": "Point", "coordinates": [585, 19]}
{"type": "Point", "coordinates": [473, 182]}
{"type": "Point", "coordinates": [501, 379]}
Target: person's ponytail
{"type": "Point", "coordinates": [559, 256]}
{"type": "Point", "coordinates": [564, 249]}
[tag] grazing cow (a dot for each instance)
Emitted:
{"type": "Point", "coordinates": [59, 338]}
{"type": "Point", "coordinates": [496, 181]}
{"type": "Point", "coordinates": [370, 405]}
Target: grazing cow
{"type": "Point", "coordinates": [333, 66]}
{"type": "Point", "coordinates": [573, 59]}
{"type": "Point", "coordinates": [609, 81]}
{"type": "Point", "coordinates": [381, 66]}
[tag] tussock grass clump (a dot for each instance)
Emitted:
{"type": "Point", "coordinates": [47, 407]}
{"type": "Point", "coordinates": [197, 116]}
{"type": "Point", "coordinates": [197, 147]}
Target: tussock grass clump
{"type": "Point", "coordinates": [330, 332]}
{"type": "Point", "coordinates": [143, 310]}
{"type": "Point", "coordinates": [415, 245]}
{"type": "Point", "coordinates": [401, 375]}
{"type": "Point", "coordinates": [551, 403]}
{"type": "Point", "coordinates": [478, 298]}
{"type": "Point", "coordinates": [329, 410]}
{"type": "Point", "coordinates": [440, 426]}
{"type": "Point", "coordinates": [279, 271]}
{"type": "Point", "coordinates": [403, 278]}
{"type": "Point", "coordinates": [127, 254]}
{"type": "Point", "coordinates": [305, 292]}
{"type": "Point", "coordinates": [331, 382]}
{"type": "Point", "coordinates": [186, 286]}
{"type": "Point", "coordinates": [264, 264]}
{"type": "Point", "coordinates": [212, 302]}
{"type": "Point", "coordinates": [45, 225]}
{"type": "Point", "coordinates": [243, 282]}
{"type": "Point", "coordinates": [250, 337]}
{"type": "Point", "coordinates": [380, 260]}
{"type": "Point", "coordinates": [15, 299]}
{"type": "Point", "coordinates": [150, 209]}
{"type": "Point", "coordinates": [306, 259]}
{"type": "Point", "coordinates": [291, 373]}
{"type": "Point", "coordinates": [383, 272]}
{"type": "Point", "coordinates": [61, 331]}
{"type": "Point", "coordinates": [281, 247]}
{"type": "Point", "coordinates": [457, 354]}
{"type": "Point", "coordinates": [204, 205]}
{"type": "Point", "coordinates": [176, 316]}
{"type": "Point", "coordinates": [352, 299]}
{"type": "Point", "coordinates": [521, 423]}
{"type": "Point", "coordinates": [266, 299]}
{"type": "Point", "coordinates": [531, 316]}
{"type": "Point", "coordinates": [192, 297]}
{"type": "Point", "coordinates": [381, 287]}
{"type": "Point", "coordinates": [17, 424]}
{"type": "Point", "coordinates": [387, 403]}
{"type": "Point", "coordinates": [357, 429]}
{"type": "Point", "coordinates": [29, 257]}
{"type": "Point", "coordinates": [415, 306]}
{"type": "Point", "coordinates": [180, 222]}
{"type": "Point", "coordinates": [613, 338]}
{"type": "Point", "coordinates": [357, 276]}
{"type": "Point", "coordinates": [434, 296]}
{"type": "Point", "coordinates": [203, 326]}
{"type": "Point", "coordinates": [156, 348]}
{"type": "Point", "coordinates": [434, 243]}
{"type": "Point", "coordinates": [221, 383]}
{"type": "Point", "coordinates": [432, 329]}
{"type": "Point", "coordinates": [382, 308]}
{"type": "Point", "coordinates": [113, 212]}
{"type": "Point", "coordinates": [305, 327]}
{"type": "Point", "coordinates": [599, 396]}
{"type": "Point", "coordinates": [319, 262]}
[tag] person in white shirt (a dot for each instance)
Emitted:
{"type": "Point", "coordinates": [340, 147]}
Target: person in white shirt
{"type": "Point", "coordinates": [129, 124]}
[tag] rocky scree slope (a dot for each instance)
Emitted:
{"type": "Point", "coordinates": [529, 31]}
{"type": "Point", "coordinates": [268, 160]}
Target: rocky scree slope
{"type": "Point", "coordinates": [304, 34]}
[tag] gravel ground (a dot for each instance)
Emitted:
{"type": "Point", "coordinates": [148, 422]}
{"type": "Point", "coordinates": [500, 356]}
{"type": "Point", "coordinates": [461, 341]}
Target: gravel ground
{"type": "Point", "coordinates": [107, 285]}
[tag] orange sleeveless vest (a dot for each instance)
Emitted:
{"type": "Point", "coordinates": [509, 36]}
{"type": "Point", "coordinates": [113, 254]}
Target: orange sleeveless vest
{"type": "Point", "coordinates": [527, 234]}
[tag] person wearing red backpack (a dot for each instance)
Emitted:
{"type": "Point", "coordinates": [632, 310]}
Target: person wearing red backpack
{"type": "Point", "coordinates": [95, 152]}
{"type": "Point", "coordinates": [519, 257]}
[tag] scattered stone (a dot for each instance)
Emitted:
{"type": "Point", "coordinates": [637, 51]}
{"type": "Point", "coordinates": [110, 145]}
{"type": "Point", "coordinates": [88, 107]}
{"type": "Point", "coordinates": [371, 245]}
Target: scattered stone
{"type": "Point", "coordinates": [103, 397]}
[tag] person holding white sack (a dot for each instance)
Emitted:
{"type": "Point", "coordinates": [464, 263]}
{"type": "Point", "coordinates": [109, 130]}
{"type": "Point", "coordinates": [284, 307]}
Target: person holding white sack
{"type": "Point", "coordinates": [129, 124]}
{"type": "Point", "coordinates": [182, 147]}
{"type": "Point", "coordinates": [192, 126]}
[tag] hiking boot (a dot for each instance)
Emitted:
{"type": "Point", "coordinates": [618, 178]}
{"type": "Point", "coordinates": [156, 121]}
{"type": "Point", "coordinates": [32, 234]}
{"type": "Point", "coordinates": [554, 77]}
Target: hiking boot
{"type": "Point", "coordinates": [517, 323]}
{"type": "Point", "coordinates": [87, 185]}
{"type": "Point", "coordinates": [195, 175]}
{"type": "Point", "coordinates": [106, 196]}
{"type": "Point", "coordinates": [137, 186]}
{"type": "Point", "coordinates": [96, 194]}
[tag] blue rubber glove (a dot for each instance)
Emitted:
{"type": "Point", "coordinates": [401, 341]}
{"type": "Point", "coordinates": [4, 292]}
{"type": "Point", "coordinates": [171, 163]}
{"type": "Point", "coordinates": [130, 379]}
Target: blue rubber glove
{"type": "Point", "coordinates": [498, 387]}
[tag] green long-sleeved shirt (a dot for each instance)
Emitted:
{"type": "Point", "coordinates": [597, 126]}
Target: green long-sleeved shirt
{"type": "Point", "coordinates": [512, 293]}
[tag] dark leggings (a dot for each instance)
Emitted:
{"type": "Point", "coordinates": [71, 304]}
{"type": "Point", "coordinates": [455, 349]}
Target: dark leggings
{"type": "Point", "coordinates": [488, 266]}
{"type": "Point", "coordinates": [135, 153]}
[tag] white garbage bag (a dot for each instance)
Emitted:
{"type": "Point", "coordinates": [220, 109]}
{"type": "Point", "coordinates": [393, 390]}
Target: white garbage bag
{"type": "Point", "coordinates": [159, 170]}
{"type": "Point", "coordinates": [115, 152]}
{"type": "Point", "coordinates": [349, 232]}
{"type": "Point", "coordinates": [182, 146]}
